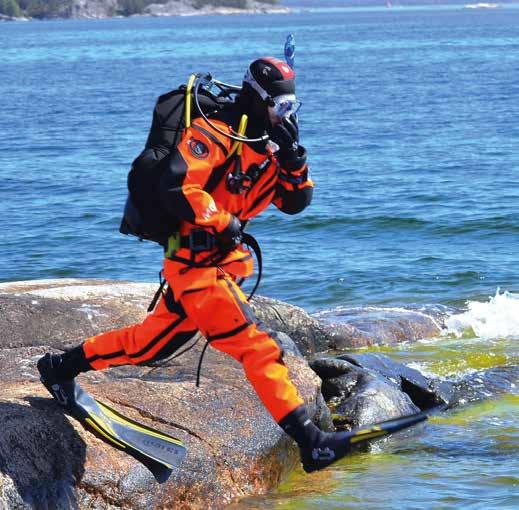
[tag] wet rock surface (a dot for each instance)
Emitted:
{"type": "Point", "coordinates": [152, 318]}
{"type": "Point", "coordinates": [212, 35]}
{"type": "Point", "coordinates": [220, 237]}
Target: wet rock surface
{"type": "Point", "coordinates": [486, 384]}
{"type": "Point", "coordinates": [368, 388]}
{"type": "Point", "coordinates": [366, 326]}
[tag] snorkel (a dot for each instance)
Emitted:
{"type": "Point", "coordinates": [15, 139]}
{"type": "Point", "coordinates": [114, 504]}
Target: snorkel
{"type": "Point", "coordinates": [290, 50]}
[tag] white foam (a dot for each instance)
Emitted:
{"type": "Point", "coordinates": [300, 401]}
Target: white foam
{"type": "Point", "coordinates": [423, 368]}
{"type": "Point", "coordinates": [497, 318]}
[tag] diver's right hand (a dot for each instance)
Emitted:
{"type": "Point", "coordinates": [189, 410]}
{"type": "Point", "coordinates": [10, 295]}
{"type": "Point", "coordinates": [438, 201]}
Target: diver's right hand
{"type": "Point", "coordinates": [286, 136]}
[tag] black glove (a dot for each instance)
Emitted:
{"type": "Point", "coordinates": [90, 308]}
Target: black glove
{"type": "Point", "coordinates": [291, 155]}
{"type": "Point", "coordinates": [230, 237]}
{"type": "Point", "coordinates": [286, 135]}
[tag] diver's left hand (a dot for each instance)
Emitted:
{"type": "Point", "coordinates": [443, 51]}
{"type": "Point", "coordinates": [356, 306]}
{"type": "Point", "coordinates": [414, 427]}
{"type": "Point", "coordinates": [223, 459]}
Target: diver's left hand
{"type": "Point", "coordinates": [231, 236]}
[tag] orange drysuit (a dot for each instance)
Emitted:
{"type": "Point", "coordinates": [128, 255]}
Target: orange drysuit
{"type": "Point", "coordinates": [203, 296]}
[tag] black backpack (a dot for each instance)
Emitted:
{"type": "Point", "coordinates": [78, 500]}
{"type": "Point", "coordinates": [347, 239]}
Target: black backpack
{"type": "Point", "coordinates": [143, 215]}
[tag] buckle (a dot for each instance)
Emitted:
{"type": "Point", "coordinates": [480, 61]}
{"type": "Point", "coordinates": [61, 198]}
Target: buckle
{"type": "Point", "coordinates": [173, 244]}
{"type": "Point", "coordinates": [200, 240]}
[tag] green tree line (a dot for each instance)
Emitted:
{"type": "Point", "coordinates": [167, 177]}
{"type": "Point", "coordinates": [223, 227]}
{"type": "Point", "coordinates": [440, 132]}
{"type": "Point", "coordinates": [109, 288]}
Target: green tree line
{"type": "Point", "coordinates": [34, 8]}
{"type": "Point", "coordinates": [10, 8]}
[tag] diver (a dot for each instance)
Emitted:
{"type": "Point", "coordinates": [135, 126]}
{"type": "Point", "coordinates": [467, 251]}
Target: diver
{"type": "Point", "coordinates": [223, 173]}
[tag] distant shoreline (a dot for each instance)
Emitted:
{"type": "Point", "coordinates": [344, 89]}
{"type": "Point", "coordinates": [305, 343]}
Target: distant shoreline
{"type": "Point", "coordinates": [171, 9]}
{"type": "Point", "coordinates": [181, 8]}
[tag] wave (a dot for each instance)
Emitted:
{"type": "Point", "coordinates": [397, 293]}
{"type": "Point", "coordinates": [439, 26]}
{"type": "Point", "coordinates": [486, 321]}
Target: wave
{"type": "Point", "coordinates": [312, 221]}
{"type": "Point", "coordinates": [496, 318]}
{"type": "Point", "coordinates": [491, 225]}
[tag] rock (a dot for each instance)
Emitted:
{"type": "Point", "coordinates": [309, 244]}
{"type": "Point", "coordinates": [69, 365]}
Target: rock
{"type": "Point", "coordinates": [346, 328]}
{"type": "Point", "coordinates": [307, 332]}
{"type": "Point", "coordinates": [367, 388]}
{"type": "Point", "coordinates": [90, 9]}
{"type": "Point", "coordinates": [234, 447]}
{"type": "Point", "coordinates": [62, 313]}
{"type": "Point", "coordinates": [427, 392]}
{"type": "Point", "coordinates": [374, 400]}
{"type": "Point", "coordinates": [423, 391]}
{"type": "Point", "coordinates": [197, 8]}
{"type": "Point", "coordinates": [288, 346]}
{"type": "Point", "coordinates": [482, 385]}
{"type": "Point", "coordinates": [36, 300]}
{"type": "Point", "coordinates": [359, 397]}
{"type": "Point", "coordinates": [360, 327]}
{"type": "Point", "coordinates": [3, 17]}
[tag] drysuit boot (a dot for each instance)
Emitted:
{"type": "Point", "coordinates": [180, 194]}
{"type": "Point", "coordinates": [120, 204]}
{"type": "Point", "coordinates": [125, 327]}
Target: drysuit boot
{"type": "Point", "coordinates": [318, 449]}
{"type": "Point", "coordinates": [57, 373]}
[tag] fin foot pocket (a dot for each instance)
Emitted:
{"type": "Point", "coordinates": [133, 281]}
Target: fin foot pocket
{"type": "Point", "coordinates": [157, 451]}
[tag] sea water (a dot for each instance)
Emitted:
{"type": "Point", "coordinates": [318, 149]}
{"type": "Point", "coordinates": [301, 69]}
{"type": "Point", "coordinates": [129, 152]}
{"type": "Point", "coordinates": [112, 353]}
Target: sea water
{"type": "Point", "coordinates": [410, 121]}
{"type": "Point", "coordinates": [409, 118]}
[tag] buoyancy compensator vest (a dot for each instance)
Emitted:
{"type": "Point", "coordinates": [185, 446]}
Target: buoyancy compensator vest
{"type": "Point", "coordinates": [144, 217]}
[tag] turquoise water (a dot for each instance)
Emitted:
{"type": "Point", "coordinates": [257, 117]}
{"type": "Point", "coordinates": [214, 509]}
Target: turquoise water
{"type": "Point", "coordinates": [463, 461]}
{"type": "Point", "coordinates": [465, 458]}
{"type": "Point", "coordinates": [410, 119]}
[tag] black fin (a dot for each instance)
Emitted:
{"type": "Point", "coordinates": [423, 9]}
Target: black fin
{"type": "Point", "coordinates": [385, 428]}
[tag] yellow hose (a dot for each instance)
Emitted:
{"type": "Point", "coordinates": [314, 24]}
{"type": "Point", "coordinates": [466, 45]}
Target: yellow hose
{"type": "Point", "coordinates": [189, 88]}
{"type": "Point", "coordinates": [237, 146]}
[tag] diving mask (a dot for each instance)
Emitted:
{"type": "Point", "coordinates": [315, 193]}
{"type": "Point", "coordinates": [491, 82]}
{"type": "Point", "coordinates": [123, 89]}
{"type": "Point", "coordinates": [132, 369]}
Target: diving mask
{"type": "Point", "coordinates": [285, 105]}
